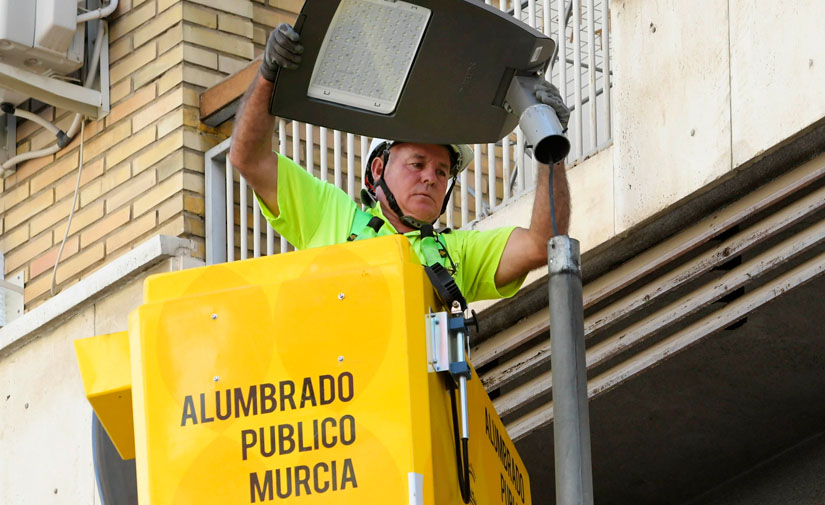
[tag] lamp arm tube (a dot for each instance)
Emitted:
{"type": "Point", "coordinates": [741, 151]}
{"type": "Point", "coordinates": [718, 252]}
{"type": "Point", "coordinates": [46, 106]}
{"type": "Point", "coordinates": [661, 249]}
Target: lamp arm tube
{"type": "Point", "coordinates": [537, 120]}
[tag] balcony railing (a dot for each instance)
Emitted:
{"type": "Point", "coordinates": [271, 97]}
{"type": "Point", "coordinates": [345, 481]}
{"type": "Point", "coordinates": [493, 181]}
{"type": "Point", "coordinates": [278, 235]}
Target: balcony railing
{"type": "Point", "coordinates": [500, 172]}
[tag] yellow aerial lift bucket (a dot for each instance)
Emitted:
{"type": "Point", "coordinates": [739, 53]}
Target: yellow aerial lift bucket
{"type": "Point", "coordinates": [307, 377]}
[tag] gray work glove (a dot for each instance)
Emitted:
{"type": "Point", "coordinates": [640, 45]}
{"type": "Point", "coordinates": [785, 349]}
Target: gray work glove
{"type": "Point", "coordinates": [549, 95]}
{"type": "Point", "coordinates": [282, 50]}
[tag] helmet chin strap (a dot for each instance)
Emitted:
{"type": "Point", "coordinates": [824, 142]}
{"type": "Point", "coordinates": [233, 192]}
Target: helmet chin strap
{"type": "Point", "coordinates": [408, 220]}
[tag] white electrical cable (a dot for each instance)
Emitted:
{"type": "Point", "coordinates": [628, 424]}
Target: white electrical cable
{"type": "Point", "coordinates": [37, 119]}
{"type": "Point", "coordinates": [99, 13]}
{"type": "Point", "coordinates": [5, 168]}
{"type": "Point", "coordinates": [71, 213]}
{"type": "Point", "coordinates": [7, 171]}
{"type": "Point", "coordinates": [79, 120]}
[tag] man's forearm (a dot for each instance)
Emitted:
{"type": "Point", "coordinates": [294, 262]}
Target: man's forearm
{"type": "Point", "coordinates": [251, 150]}
{"type": "Point", "coordinates": [526, 248]}
{"type": "Point", "coordinates": [540, 223]}
{"type": "Point", "coordinates": [252, 135]}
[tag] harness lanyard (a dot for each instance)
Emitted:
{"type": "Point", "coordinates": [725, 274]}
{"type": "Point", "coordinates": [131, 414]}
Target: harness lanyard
{"type": "Point", "coordinates": [429, 247]}
{"type": "Point", "coordinates": [434, 251]}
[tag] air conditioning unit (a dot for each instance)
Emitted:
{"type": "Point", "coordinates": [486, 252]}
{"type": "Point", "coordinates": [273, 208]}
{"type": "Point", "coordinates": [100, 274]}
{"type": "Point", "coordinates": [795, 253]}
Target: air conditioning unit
{"type": "Point", "coordinates": [41, 36]}
{"type": "Point", "coordinates": [41, 43]}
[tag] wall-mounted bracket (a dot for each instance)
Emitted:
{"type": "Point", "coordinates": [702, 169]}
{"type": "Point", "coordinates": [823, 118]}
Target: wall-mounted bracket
{"type": "Point", "coordinates": [11, 296]}
{"type": "Point", "coordinates": [53, 91]}
{"type": "Point", "coordinates": [8, 137]}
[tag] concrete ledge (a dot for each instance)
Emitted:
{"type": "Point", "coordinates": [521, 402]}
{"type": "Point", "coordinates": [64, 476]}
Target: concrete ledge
{"type": "Point", "coordinates": [60, 307]}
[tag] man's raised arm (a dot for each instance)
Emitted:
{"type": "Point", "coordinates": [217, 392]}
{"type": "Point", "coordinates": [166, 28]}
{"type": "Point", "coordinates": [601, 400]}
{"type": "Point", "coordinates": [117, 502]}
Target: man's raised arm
{"type": "Point", "coordinates": [526, 248]}
{"type": "Point", "coordinates": [251, 151]}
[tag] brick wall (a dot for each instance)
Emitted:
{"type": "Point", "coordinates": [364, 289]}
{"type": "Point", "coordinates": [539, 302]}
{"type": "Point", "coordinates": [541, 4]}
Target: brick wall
{"type": "Point", "coordinates": [143, 163]}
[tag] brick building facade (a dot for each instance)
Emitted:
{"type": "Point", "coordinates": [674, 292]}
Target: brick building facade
{"type": "Point", "coordinates": [142, 171]}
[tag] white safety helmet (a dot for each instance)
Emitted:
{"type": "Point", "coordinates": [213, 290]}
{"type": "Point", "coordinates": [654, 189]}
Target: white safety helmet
{"type": "Point", "coordinates": [461, 155]}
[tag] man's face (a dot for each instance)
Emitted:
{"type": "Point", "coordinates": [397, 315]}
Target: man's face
{"type": "Point", "coordinates": [417, 175]}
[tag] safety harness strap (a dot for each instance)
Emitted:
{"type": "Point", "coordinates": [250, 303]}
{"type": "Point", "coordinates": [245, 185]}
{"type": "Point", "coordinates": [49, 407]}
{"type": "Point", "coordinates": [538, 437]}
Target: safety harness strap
{"type": "Point", "coordinates": [362, 221]}
{"type": "Point", "coordinates": [365, 225]}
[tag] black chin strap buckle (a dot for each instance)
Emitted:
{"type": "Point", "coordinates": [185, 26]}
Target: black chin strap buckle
{"type": "Point", "coordinates": [375, 223]}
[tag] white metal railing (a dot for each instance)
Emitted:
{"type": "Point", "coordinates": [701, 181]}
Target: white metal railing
{"type": "Point", "coordinates": [500, 172]}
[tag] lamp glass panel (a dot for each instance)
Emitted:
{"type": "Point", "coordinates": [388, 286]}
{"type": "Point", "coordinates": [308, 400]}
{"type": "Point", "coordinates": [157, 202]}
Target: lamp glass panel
{"type": "Point", "coordinates": [367, 53]}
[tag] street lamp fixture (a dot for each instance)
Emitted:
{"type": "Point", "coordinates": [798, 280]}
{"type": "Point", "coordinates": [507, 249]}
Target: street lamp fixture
{"type": "Point", "coordinates": [429, 71]}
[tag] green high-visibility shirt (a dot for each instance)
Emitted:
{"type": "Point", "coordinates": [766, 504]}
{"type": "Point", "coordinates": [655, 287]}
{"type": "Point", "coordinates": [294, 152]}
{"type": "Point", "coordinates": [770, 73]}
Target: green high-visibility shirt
{"type": "Point", "coordinates": [314, 213]}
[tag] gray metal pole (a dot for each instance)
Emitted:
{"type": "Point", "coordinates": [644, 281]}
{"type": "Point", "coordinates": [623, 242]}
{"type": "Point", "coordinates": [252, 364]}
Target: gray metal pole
{"type": "Point", "coordinates": [571, 419]}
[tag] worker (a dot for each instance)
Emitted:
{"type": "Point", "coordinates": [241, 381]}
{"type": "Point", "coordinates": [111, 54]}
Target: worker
{"type": "Point", "coordinates": [407, 187]}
